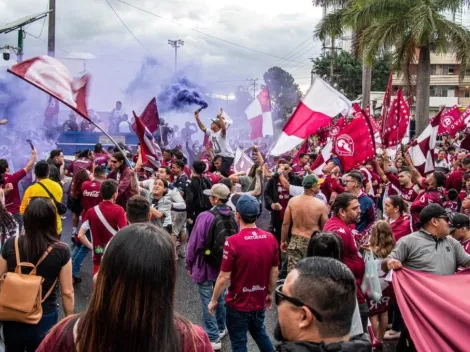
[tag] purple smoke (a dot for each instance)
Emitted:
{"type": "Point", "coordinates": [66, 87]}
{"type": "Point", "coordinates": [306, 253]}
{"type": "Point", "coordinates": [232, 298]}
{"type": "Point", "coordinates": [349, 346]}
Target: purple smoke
{"type": "Point", "coordinates": [180, 96]}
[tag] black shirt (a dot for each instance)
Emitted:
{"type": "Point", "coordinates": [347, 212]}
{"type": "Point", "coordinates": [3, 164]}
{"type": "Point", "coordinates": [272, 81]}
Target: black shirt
{"type": "Point", "coordinates": [49, 269]}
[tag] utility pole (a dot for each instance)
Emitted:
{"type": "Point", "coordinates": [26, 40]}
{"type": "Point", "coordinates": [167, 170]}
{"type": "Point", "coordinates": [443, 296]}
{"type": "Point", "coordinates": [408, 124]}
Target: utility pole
{"type": "Point", "coordinates": [176, 44]}
{"type": "Point", "coordinates": [51, 31]}
{"type": "Point", "coordinates": [253, 82]}
{"type": "Point", "coordinates": [19, 55]}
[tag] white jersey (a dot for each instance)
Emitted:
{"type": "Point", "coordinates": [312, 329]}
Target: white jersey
{"type": "Point", "coordinates": [220, 143]}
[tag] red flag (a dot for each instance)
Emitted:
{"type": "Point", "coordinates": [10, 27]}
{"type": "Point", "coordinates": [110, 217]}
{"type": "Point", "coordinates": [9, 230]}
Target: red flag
{"type": "Point", "coordinates": [150, 116]}
{"type": "Point", "coordinates": [354, 145]}
{"type": "Point", "coordinates": [51, 76]}
{"type": "Point", "coordinates": [316, 110]}
{"type": "Point", "coordinates": [421, 150]}
{"type": "Point", "coordinates": [321, 160]}
{"type": "Point", "coordinates": [396, 124]}
{"type": "Point", "coordinates": [151, 152]}
{"type": "Point", "coordinates": [452, 121]}
{"type": "Point", "coordinates": [259, 115]}
{"type": "Point", "coordinates": [466, 118]}
{"type": "Point", "coordinates": [373, 126]}
{"type": "Point", "coordinates": [435, 308]}
{"type": "Point", "coordinates": [386, 102]}
{"type": "Point", "coordinates": [242, 162]}
{"type": "Point", "coordinates": [338, 127]}
{"type": "Point", "coordinates": [367, 110]}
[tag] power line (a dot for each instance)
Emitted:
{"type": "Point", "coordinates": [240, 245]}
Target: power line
{"type": "Point", "coordinates": [45, 41]}
{"type": "Point", "coordinates": [128, 29]}
{"type": "Point", "coordinates": [288, 54]}
{"type": "Point", "coordinates": [203, 33]}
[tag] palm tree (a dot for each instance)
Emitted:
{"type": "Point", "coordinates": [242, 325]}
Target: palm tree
{"type": "Point", "coordinates": [413, 29]}
{"type": "Point", "coordinates": [334, 25]}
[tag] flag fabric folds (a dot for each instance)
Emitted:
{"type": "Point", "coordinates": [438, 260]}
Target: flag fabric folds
{"type": "Point", "coordinates": [395, 126]}
{"type": "Point", "coordinates": [52, 77]}
{"type": "Point", "coordinates": [436, 309]}
{"type": "Point", "coordinates": [452, 121]}
{"type": "Point", "coordinates": [242, 162]}
{"type": "Point", "coordinates": [316, 110]}
{"type": "Point", "coordinates": [150, 117]}
{"type": "Point", "coordinates": [259, 115]}
{"type": "Point", "coordinates": [150, 151]}
{"type": "Point", "coordinates": [421, 149]}
{"type": "Point", "coordinates": [386, 103]}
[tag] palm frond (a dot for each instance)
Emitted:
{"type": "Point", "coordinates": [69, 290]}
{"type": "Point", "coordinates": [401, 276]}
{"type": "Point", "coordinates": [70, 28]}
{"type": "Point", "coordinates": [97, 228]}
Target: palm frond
{"type": "Point", "coordinates": [451, 5]}
{"type": "Point", "coordinates": [330, 26]}
{"type": "Point", "coordinates": [337, 4]}
{"type": "Point", "coordinates": [404, 59]}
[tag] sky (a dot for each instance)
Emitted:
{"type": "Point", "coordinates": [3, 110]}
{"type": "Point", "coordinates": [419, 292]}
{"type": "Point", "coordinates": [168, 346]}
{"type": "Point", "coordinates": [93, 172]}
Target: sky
{"type": "Point", "coordinates": [90, 28]}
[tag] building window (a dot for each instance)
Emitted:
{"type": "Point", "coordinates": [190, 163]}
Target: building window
{"type": "Point", "coordinates": [464, 93]}
{"type": "Point", "coordinates": [442, 91]}
{"type": "Point", "coordinates": [436, 91]}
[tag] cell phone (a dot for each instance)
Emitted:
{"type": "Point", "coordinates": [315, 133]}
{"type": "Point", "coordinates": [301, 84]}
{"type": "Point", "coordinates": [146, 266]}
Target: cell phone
{"type": "Point", "coordinates": [30, 143]}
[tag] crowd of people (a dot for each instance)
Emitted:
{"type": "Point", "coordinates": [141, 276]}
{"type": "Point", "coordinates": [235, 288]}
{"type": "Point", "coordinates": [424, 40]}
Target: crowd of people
{"type": "Point", "coordinates": [138, 222]}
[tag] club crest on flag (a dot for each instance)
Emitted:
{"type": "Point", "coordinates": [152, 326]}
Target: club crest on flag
{"type": "Point", "coordinates": [334, 131]}
{"type": "Point", "coordinates": [344, 145]}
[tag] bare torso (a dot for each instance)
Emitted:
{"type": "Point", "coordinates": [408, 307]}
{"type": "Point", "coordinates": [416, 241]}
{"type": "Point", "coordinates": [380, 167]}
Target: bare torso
{"type": "Point", "coordinates": [308, 214]}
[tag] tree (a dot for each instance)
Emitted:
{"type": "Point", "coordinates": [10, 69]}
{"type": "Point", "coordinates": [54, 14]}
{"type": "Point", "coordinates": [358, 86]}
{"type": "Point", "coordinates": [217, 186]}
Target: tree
{"type": "Point", "coordinates": [413, 29]}
{"type": "Point", "coordinates": [347, 72]}
{"type": "Point", "coordinates": [285, 93]}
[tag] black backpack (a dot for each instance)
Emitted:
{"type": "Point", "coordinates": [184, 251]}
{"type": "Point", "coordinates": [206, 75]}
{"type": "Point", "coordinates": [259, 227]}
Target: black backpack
{"type": "Point", "coordinates": [202, 201]}
{"type": "Point", "coordinates": [222, 228]}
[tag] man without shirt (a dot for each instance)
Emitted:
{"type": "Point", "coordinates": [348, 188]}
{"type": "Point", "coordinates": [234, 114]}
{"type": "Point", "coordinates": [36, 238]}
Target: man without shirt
{"type": "Point", "coordinates": [311, 214]}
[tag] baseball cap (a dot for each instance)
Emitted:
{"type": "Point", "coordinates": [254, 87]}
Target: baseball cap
{"type": "Point", "coordinates": [248, 206]}
{"type": "Point", "coordinates": [311, 181]}
{"type": "Point", "coordinates": [216, 121]}
{"type": "Point", "coordinates": [218, 191]}
{"type": "Point", "coordinates": [431, 211]}
{"type": "Point", "coordinates": [457, 221]}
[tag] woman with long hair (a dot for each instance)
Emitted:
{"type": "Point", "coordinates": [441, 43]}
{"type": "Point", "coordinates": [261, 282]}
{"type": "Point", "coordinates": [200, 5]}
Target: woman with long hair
{"type": "Point", "coordinates": [160, 209]}
{"type": "Point", "coordinates": [132, 305]}
{"type": "Point", "coordinates": [8, 225]}
{"type": "Point", "coordinates": [121, 172]}
{"type": "Point", "coordinates": [381, 244]}
{"type": "Point", "coordinates": [40, 236]}
{"type": "Point", "coordinates": [396, 211]}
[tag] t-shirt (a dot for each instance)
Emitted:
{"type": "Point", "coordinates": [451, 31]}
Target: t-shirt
{"type": "Point", "coordinates": [49, 269]}
{"type": "Point", "coordinates": [466, 245]}
{"type": "Point", "coordinates": [220, 143]}
{"type": "Point", "coordinates": [12, 198]}
{"type": "Point", "coordinates": [249, 249]}
{"type": "Point", "coordinates": [91, 195]}
{"type": "Point", "coordinates": [299, 170]}
{"type": "Point", "coordinates": [80, 164]}
{"type": "Point", "coordinates": [247, 183]}
{"type": "Point", "coordinates": [351, 257]}
{"type": "Point", "coordinates": [101, 158]}
{"type": "Point", "coordinates": [116, 218]}
{"type": "Point", "coordinates": [408, 194]}
{"type": "Point", "coordinates": [283, 199]}
{"type": "Point", "coordinates": [422, 251]}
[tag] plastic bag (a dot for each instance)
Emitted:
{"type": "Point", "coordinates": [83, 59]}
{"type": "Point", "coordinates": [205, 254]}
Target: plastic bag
{"type": "Point", "coordinates": [371, 283]}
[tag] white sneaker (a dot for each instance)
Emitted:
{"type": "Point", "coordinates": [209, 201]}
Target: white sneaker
{"type": "Point", "coordinates": [222, 333]}
{"type": "Point", "coordinates": [217, 346]}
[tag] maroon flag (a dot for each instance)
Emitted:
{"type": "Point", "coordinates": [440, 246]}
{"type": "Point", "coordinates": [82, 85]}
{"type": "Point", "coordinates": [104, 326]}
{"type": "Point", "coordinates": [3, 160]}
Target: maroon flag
{"type": "Point", "coordinates": [354, 144]}
{"type": "Point", "coordinates": [386, 102]}
{"type": "Point", "coordinates": [396, 125]}
{"type": "Point", "coordinates": [242, 162]}
{"type": "Point", "coordinates": [435, 308]}
{"type": "Point", "coordinates": [151, 152]}
{"type": "Point", "coordinates": [367, 110]}
{"type": "Point", "coordinates": [421, 149]}
{"type": "Point", "coordinates": [150, 117]}
{"type": "Point", "coordinates": [51, 76]}
{"type": "Point", "coordinates": [452, 121]}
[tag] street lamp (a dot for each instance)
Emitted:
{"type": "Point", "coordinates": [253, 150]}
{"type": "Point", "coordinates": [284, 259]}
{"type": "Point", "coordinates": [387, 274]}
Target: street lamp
{"type": "Point", "coordinates": [176, 44]}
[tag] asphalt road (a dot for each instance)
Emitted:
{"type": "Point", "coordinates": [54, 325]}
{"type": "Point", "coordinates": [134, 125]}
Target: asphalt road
{"type": "Point", "coordinates": [187, 297]}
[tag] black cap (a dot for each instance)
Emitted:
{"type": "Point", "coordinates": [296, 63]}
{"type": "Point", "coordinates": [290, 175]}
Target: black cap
{"type": "Point", "coordinates": [458, 221]}
{"type": "Point", "coordinates": [431, 211]}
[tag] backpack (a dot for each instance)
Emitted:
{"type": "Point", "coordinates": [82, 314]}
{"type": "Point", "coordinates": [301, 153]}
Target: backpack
{"type": "Point", "coordinates": [21, 294]}
{"type": "Point", "coordinates": [202, 201]}
{"type": "Point", "coordinates": [222, 228]}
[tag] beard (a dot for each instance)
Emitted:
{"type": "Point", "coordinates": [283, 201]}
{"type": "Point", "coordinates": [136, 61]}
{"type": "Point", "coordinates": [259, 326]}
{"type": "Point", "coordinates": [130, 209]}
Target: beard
{"type": "Point", "coordinates": [278, 333]}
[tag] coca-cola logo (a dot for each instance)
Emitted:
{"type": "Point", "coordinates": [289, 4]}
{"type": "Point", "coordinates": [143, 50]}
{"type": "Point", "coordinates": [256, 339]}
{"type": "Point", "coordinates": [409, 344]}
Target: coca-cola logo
{"type": "Point", "coordinates": [94, 194]}
{"type": "Point", "coordinates": [344, 145]}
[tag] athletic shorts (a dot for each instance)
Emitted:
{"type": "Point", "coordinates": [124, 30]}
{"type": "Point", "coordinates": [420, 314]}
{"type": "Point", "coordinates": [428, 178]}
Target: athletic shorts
{"type": "Point", "coordinates": [179, 222]}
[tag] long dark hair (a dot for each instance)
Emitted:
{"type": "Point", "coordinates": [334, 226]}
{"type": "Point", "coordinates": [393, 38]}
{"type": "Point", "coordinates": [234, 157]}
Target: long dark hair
{"type": "Point", "coordinates": [7, 222]}
{"type": "Point", "coordinates": [40, 225]}
{"type": "Point", "coordinates": [120, 157]}
{"type": "Point", "coordinates": [399, 203]}
{"type": "Point", "coordinates": [132, 306]}
{"type": "Point", "coordinates": [325, 244]}
{"type": "Point", "coordinates": [82, 176]}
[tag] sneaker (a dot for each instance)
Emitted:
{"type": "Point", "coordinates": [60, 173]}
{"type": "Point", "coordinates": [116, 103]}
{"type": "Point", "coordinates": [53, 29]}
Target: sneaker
{"type": "Point", "coordinates": [392, 335]}
{"type": "Point", "coordinates": [216, 346]}
{"type": "Point", "coordinates": [181, 251]}
{"type": "Point", "coordinates": [222, 333]}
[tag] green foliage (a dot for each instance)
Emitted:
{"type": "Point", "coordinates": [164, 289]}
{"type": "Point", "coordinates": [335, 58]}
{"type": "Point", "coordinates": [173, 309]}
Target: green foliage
{"type": "Point", "coordinates": [243, 98]}
{"type": "Point", "coordinates": [347, 72]}
{"type": "Point", "coordinates": [285, 93]}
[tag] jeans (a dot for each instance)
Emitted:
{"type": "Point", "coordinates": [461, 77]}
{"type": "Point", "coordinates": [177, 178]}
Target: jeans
{"type": "Point", "coordinates": [19, 220]}
{"type": "Point", "coordinates": [20, 337]}
{"type": "Point", "coordinates": [239, 323]}
{"type": "Point", "coordinates": [212, 325]}
{"type": "Point", "coordinates": [79, 254]}
{"type": "Point", "coordinates": [364, 311]}
{"type": "Point", "coordinates": [226, 163]}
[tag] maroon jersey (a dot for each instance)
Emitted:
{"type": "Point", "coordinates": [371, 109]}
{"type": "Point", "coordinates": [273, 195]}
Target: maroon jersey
{"type": "Point", "coordinates": [408, 194]}
{"type": "Point", "coordinates": [90, 195]}
{"type": "Point", "coordinates": [299, 170]}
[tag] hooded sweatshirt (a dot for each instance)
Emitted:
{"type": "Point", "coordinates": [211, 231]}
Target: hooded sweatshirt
{"type": "Point", "coordinates": [359, 343]}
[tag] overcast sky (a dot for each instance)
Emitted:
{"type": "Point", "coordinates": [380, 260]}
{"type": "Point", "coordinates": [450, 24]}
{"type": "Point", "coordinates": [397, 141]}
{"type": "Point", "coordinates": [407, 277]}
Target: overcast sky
{"type": "Point", "coordinates": [90, 26]}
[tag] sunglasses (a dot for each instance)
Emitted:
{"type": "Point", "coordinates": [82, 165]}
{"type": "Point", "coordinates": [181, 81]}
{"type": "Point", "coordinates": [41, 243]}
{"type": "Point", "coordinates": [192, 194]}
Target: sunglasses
{"type": "Point", "coordinates": [113, 161]}
{"type": "Point", "coordinates": [279, 297]}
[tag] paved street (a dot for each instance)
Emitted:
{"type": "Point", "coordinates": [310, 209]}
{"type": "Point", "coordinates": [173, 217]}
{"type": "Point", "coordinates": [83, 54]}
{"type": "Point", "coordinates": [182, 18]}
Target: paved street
{"type": "Point", "coordinates": [187, 297]}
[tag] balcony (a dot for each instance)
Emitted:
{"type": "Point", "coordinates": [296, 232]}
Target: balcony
{"type": "Point", "coordinates": [464, 101]}
{"type": "Point", "coordinates": [447, 101]}
{"type": "Point", "coordinates": [436, 80]}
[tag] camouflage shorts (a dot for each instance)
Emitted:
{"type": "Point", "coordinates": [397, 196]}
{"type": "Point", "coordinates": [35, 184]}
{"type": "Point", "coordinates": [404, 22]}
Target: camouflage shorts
{"type": "Point", "coordinates": [296, 251]}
